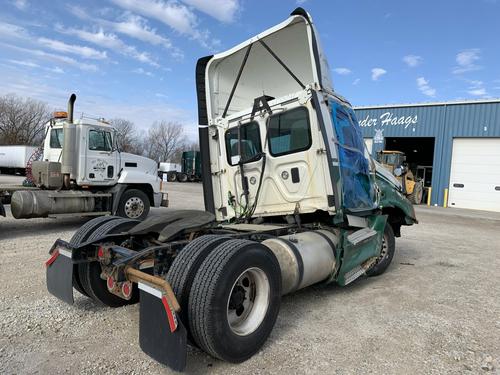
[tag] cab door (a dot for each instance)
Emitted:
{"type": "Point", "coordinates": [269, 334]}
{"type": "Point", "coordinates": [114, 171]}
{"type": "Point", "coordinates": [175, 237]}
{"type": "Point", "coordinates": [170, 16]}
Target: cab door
{"type": "Point", "coordinates": [290, 178]}
{"type": "Point", "coordinates": [101, 158]}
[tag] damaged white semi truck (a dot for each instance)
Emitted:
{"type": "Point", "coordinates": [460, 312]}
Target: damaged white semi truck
{"type": "Point", "coordinates": [83, 173]}
{"type": "Point", "coordinates": [291, 200]}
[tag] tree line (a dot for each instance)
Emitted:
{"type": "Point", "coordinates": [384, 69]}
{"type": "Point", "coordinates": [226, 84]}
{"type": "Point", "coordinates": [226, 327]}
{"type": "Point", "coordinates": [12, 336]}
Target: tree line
{"type": "Point", "coordinates": [23, 120]}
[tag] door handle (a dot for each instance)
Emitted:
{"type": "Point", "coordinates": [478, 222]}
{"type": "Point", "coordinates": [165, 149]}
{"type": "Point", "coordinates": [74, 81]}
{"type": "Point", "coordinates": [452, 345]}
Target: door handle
{"type": "Point", "coordinates": [458, 185]}
{"type": "Point", "coordinates": [497, 188]}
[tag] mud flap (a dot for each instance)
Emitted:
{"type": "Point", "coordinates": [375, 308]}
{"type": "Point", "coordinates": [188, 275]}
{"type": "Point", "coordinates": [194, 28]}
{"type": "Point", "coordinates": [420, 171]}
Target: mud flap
{"type": "Point", "coordinates": [2, 210]}
{"type": "Point", "coordinates": [162, 335]}
{"type": "Point", "coordinates": [60, 274]}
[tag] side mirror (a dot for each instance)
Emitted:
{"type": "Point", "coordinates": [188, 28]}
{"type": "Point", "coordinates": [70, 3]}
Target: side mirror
{"type": "Point", "coordinates": [398, 171]}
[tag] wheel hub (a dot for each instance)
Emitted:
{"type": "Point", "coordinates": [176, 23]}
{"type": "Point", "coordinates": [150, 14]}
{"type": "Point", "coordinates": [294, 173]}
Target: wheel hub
{"type": "Point", "coordinates": [134, 207]}
{"type": "Point", "coordinates": [248, 301]}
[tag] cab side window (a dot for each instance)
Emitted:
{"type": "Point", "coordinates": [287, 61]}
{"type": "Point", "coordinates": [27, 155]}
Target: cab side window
{"type": "Point", "coordinates": [289, 132]}
{"type": "Point", "coordinates": [100, 140]}
{"type": "Point", "coordinates": [56, 138]}
{"type": "Point", "coordinates": [250, 143]}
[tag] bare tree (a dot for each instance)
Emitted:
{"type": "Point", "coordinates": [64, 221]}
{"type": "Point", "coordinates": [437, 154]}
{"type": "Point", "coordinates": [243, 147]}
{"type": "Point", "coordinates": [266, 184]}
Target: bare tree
{"type": "Point", "coordinates": [163, 140]}
{"type": "Point", "coordinates": [126, 137]}
{"type": "Point", "coordinates": [22, 121]}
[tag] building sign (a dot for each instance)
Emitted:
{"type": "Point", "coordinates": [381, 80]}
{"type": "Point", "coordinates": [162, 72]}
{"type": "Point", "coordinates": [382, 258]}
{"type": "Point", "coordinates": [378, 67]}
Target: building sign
{"type": "Point", "coordinates": [379, 136]}
{"type": "Point", "coordinates": [388, 119]}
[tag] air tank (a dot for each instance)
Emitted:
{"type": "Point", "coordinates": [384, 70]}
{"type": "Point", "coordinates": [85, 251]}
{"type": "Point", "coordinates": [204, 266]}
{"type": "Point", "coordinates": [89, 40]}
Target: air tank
{"type": "Point", "coordinates": [27, 204]}
{"type": "Point", "coordinates": [305, 258]}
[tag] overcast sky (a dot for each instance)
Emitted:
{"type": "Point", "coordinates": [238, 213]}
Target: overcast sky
{"type": "Point", "coordinates": [136, 59]}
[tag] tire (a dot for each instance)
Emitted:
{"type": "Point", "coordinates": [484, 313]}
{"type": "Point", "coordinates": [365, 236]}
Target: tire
{"type": "Point", "coordinates": [134, 204]}
{"type": "Point", "coordinates": [416, 196]}
{"type": "Point", "coordinates": [171, 176]}
{"type": "Point", "coordinates": [185, 266]}
{"type": "Point", "coordinates": [79, 237]}
{"type": "Point", "coordinates": [387, 253]}
{"type": "Point", "coordinates": [182, 177]}
{"type": "Point", "coordinates": [90, 273]}
{"type": "Point", "coordinates": [192, 178]}
{"type": "Point", "coordinates": [220, 322]}
{"type": "Point", "coordinates": [86, 229]}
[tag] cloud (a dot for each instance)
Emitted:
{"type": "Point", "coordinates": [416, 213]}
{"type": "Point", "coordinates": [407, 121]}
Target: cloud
{"type": "Point", "coordinates": [25, 63]}
{"type": "Point", "coordinates": [356, 81]}
{"type": "Point", "coordinates": [221, 10]}
{"type": "Point", "coordinates": [476, 88]}
{"type": "Point", "coordinates": [342, 71]}
{"type": "Point", "coordinates": [17, 32]}
{"type": "Point", "coordinates": [466, 61]}
{"type": "Point", "coordinates": [20, 4]}
{"type": "Point", "coordinates": [57, 70]}
{"type": "Point", "coordinates": [82, 51]}
{"type": "Point", "coordinates": [478, 92]}
{"type": "Point", "coordinates": [12, 31]}
{"type": "Point", "coordinates": [377, 73]}
{"type": "Point", "coordinates": [31, 64]}
{"type": "Point", "coordinates": [173, 14]}
{"type": "Point", "coordinates": [142, 71]}
{"type": "Point", "coordinates": [109, 41]}
{"type": "Point", "coordinates": [52, 57]}
{"type": "Point", "coordinates": [423, 86]}
{"type": "Point", "coordinates": [133, 26]}
{"type": "Point", "coordinates": [412, 60]}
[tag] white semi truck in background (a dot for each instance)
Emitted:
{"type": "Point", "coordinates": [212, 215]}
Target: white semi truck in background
{"type": "Point", "coordinates": [13, 159]}
{"type": "Point", "coordinates": [83, 173]}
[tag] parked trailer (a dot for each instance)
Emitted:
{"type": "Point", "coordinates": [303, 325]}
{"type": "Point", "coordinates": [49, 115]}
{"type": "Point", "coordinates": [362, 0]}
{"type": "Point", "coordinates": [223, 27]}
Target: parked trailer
{"type": "Point", "coordinates": [170, 170]}
{"type": "Point", "coordinates": [291, 200]}
{"type": "Point", "coordinates": [13, 159]}
{"type": "Point", "coordinates": [188, 170]}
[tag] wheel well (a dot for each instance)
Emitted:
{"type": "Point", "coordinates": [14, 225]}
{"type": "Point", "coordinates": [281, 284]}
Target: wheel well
{"type": "Point", "coordinates": [396, 218]}
{"type": "Point", "coordinates": [146, 188]}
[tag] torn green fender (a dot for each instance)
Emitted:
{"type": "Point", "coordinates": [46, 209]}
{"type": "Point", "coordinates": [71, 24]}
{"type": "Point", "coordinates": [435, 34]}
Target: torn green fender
{"type": "Point", "coordinates": [391, 197]}
{"type": "Point", "coordinates": [356, 251]}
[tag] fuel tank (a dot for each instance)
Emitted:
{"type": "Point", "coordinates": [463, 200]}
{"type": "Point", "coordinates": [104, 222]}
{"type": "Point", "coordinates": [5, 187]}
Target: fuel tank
{"type": "Point", "coordinates": [27, 204]}
{"type": "Point", "coordinates": [305, 258]}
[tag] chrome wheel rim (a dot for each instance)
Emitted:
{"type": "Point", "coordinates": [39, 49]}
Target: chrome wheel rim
{"type": "Point", "coordinates": [248, 301]}
{"type": "Point", "coordinates": [384, 251]}
{"type": "Point", "coordinates": [134, 207]}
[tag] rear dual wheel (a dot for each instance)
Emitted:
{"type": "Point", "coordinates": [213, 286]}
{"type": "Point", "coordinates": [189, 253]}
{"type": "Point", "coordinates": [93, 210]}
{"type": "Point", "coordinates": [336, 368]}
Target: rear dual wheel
{"type": "Point", "coordinates": [182, 177]}
{"type": "Point", "coordinates": [234, 300]}
{"type": "Point", "coordinates": [80, 237]}
{"type": "Point", "coordinates": [89, 274]}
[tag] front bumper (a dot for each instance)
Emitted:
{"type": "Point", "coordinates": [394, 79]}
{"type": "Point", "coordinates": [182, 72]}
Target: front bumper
{"type": "Point", "coordinates": [160, 199]}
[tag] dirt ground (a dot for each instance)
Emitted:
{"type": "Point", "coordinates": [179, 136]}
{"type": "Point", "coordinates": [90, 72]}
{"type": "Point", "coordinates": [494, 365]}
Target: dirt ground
{"type": "Point", "coordinates": [435, 311]}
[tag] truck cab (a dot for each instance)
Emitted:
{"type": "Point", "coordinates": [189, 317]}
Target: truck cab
{"type": "Point", "coordinates": [83, 172]}
{"type": "Point", "coordinates": [277, 139]}
{"type": "Point", "coordinates": [99, 161]}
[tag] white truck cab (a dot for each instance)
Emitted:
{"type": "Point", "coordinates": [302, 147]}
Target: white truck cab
{"type": "Point", "coordinates": [99, 162]}
{"type": "Point", "coordinates": [83, 172]}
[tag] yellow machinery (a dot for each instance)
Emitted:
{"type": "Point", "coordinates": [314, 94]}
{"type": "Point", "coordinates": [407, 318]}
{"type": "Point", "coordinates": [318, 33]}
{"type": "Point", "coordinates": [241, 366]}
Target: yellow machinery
{"type": "Point", "coordinates": [395, 162]}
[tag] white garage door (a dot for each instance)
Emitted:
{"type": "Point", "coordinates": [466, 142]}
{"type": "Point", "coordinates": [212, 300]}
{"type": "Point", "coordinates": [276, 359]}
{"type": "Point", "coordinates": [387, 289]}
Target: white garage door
{"type": "Point", "coordinates": [369, 144]}
{"type": "Point", "coordinates": [475, 174]}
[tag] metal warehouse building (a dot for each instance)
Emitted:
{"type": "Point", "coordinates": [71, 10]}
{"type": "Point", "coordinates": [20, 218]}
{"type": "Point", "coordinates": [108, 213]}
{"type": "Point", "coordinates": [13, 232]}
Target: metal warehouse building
{"type": "Point", "coordinates": [450, 145]}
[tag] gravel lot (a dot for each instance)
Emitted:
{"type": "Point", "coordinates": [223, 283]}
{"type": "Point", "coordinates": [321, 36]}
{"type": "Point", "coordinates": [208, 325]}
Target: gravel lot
{"type": "Point", "coordinates": [436, 310]}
